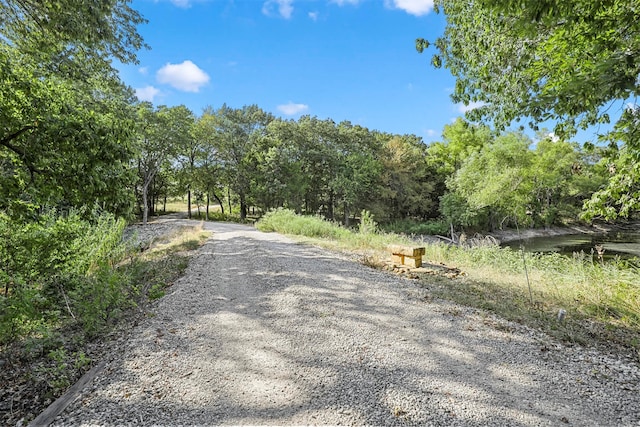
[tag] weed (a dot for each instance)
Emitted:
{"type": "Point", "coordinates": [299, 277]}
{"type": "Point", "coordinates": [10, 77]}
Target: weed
{"type": "Point", "coordinates": [156, 291]}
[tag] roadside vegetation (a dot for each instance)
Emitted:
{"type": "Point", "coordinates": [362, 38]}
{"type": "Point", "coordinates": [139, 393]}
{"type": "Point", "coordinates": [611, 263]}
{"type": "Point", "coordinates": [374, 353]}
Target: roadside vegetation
{"type": "Point", "coordinates": [601, 301]}
{"type": "Point", "coordinates": [70, 283]}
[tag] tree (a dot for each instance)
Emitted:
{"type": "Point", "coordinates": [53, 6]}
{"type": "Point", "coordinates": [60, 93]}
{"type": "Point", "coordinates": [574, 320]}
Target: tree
{"type": "Point", "coordinates": [279, 179]}
{"type": "Point", "coordinates": [65, 137]}
{"type": "Point", "coordinates": [461, 140]}
{"type": "Point", "coordinates": [62, 142]}
{"type": "Point", "coordinates": [102, 28]}
{"type": "Point", "coordinates": [162, 132]}
{"type": "Point", "coordinates": [567, 61]}
{"type": "Point", "coordinates": [496, 181]}
{"type": "Point", "coordinates": [190, 154]}
{"type": "Point", "coordinates": [318, 142]}
{"type": "Point", "coordinates": [208, 171]}
{"type": "Point", "coordinates": [358, 168]}
{"type": "Point", "coordinates": [408, 184]}
{"type": "Point", "coordinates": [562, 180]}
{"type": "Point", "coordinates": [237, 135]}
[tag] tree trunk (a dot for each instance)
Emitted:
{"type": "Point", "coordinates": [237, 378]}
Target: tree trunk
{"type": "Point", "coordinates": [229, 199]}
{"type": "Point", "coordinates": [215, 196]}
{"type": "Point", "coordinates": [206, 215]}
{"type": "Point", "coordinates": [189, 203]}
{"type": "Point", "coordinates": [243, 207]}
{"type": "Point", "coordinates": [164, 206]}
{"type": "Point", "coordinates": [330, 207]}
{"type": "Point", "coordinates": [145, 205]}
{"type": "Point", "coordinates": [150, 199]}
{"type": "Point", "coordinates": [346, 215]}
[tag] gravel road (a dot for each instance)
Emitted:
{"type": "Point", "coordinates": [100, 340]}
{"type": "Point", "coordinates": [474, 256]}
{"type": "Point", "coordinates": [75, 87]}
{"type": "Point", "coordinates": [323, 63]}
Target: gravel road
{"type": "Point", "coordinates": [264, 331]}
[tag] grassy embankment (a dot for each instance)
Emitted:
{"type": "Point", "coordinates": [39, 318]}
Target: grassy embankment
{"type": "Point", "coordinates": [601, 301]}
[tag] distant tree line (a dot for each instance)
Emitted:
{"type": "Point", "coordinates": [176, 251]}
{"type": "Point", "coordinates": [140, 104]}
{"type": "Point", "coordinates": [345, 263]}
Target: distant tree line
{"type": "Point", "coordinates": [474, 178]}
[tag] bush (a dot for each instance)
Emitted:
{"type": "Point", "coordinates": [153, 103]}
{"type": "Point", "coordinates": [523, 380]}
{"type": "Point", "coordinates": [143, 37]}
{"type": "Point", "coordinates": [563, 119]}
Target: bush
{"type": "Point", "coordinates": [55, 268]}
{"type": "Point", "coordinates": [410, 226]}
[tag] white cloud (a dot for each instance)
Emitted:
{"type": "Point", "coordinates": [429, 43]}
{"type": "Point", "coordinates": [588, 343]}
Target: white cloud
{"type": "Point", "coordinates": [431, 133]}
{"type": "Point", "coordinates": [285, 8]}
{"type": "Point", "coordinates": [412, 7]}
{"type": "Point", "coordinates": [313, 16]}
{"type": "Point", "coordinates": [471, 106]}
{"type": "Point", "coordinates": [143, 70]}
{"type": "Point", "coordinates": [292, 109]}
{"type": "Point", "coordinates": [553, 137]}
{"type": "Point", "coordinates": [187, 76]}
{"type": "Point", "coordinates": [147, 93]}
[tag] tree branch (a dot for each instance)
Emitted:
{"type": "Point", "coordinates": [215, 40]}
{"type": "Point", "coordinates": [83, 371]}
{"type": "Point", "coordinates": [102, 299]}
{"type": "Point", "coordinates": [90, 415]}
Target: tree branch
{"type": "Point", "coordinates": [6, 142]}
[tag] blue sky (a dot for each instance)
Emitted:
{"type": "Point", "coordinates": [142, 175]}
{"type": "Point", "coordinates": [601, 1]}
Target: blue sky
{"type": "Point", "coordinates": [341, 59]}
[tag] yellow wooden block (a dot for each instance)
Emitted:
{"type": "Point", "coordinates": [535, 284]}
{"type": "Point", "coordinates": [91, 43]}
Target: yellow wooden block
{"type": "Point", "coordinates": [413, 262]}
{"type": "Point", "coordinates": [397, 259]}
{"type": "Point", "coordinates": [406, 250]}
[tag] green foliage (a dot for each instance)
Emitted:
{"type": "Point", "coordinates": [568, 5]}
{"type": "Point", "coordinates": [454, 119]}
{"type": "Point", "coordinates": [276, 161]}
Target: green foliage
{"type": "Point", "coordinates": [457, 211]}
{"type": "Point", "coordinates": [164, 134]}
{"type": "Point", "coordinates": [495, 179]}
{"type": "Point", "coordinates": [66, 139]}
{"type": "Point", "coordinates": [566, 61]}
{"type": "Point", "coordinates": [503, 181]}
{"type": "Point", "coordinates": [60, 264]}
{"type": "Point", "coordinates": [409, 183]}
{"type": "Point", "coordinates": [413, 227]}
{"type": "Point", "coordinates": [106, 28]}
{"type": "Point", "coordinates": [156, 291]}
{"type": "Point", "coordinates": [235, 137]}
{"type": "Point", "coordinates": [461, 140]}
{"type": "Point", "coordinates": [620, 197]}
{"type": "Point", "coordinates": [367, 224]}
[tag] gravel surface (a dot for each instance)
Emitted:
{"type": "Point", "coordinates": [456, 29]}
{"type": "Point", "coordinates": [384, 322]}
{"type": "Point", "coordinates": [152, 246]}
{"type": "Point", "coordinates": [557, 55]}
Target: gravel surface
{"type": "Point", "coordinates": [264, 331]}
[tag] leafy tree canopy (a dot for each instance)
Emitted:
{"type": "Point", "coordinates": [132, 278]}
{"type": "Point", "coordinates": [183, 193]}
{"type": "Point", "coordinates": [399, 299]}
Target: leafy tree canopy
{"type": "Point", "coordinates": [102, 27]}
{"type": "Point", "coordinates": [568, 61]}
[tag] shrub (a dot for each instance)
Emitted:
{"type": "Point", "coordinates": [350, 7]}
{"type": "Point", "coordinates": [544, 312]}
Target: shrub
{"type": "Point", "coordinates": [410, 226]}
{"type": "Point", "coordinates": [54, 266]}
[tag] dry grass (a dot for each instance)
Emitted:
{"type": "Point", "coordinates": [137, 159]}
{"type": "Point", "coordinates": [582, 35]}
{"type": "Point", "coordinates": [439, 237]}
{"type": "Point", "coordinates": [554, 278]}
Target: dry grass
{"type": "Point", "coordinates": [182, 239]}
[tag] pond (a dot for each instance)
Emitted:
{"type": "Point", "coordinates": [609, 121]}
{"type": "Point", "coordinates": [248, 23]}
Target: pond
{"type": "Point", "coordinates": [624, 245]}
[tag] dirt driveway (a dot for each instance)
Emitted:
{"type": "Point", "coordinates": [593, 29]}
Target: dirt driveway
{"type": "Point", "coordinates": [264, 331]}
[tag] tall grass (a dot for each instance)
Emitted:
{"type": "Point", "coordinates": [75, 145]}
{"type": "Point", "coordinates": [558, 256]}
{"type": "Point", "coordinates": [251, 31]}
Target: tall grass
{"type": "Point", "coordinates": [288, 222]}
{"type": "Point", "coordinates": [602, 300]}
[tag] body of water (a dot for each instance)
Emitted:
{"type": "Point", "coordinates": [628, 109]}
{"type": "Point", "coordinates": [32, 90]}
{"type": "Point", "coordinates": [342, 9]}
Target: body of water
{"type": "Point", "coordinates": [625, 245]}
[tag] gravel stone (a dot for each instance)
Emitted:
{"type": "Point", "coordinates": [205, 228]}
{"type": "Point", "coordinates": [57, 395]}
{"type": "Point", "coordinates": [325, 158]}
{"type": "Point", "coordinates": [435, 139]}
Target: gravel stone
{"type": "Point", "coordinates": [264, 331]}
